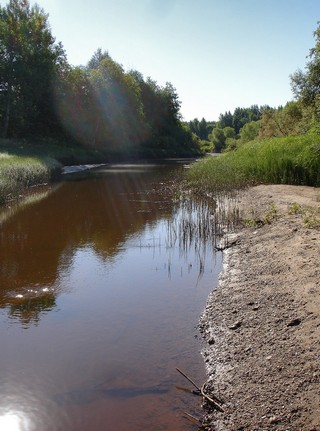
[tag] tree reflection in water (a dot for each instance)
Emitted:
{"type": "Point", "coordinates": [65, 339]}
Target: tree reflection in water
{"type": "Point", "coordinates": [28, 308]}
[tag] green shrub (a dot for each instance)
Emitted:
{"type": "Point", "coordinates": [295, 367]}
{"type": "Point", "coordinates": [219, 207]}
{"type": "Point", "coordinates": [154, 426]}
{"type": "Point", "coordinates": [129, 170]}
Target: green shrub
{"type": "Point", "coordinates": [206, 146]}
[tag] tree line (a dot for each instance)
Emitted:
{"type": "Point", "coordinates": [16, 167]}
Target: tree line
{"type": "Point", "coordinates": [103, 106]}
{"type": "Point", "coordinates": [99, 104]}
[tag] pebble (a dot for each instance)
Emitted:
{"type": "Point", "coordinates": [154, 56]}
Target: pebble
{"type": "Point", "coordinates": [236, 325]}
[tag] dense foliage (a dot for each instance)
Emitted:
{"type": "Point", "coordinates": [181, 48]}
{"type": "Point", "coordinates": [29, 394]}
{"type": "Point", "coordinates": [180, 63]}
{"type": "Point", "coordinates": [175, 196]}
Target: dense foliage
{"type": "Point", "coordinates": [227, 132]}
{"type": "Point", "coordinates": [98, 105]}
{"type": "Point", "coordinates": [306, 85]}
{"type": "Point", "coordinates": [29, 61]}
{"type": "Point", "coordinates": [201, 128]}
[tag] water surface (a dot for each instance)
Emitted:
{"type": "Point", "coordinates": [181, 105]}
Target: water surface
{"type": "Point", "coordinates": [99, 300]}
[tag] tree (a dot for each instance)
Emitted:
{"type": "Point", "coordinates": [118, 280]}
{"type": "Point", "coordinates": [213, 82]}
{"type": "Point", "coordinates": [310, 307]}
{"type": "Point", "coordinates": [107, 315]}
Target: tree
{"type": "Point", "coordinates": [97, 57]}
{"type": "Point", "coordinates": [201, 128]}
{"type": "Point", "coordinates": [249, 131]}
{"type": "Point", "coordinates": [74, 102]}
{"type": "Point", "coordinates": [292, 119]}
{"type": "Point", "coordinates": [306, 85]}
{"type": "Point", "coordinates": [226, 120]}
{"type": "Point", "coordinates": [229, 132]}
{"type": "Point", "coordinates": [218, 138]}
{"type": "Point", "coordinates": [117, 105]}
{"type": "Point", "coordinates": [242, 116]}
{"type": "Point", "coordinates": [29, 60]}
{"type": "Point", "coordinates": [163, 132]}
{"type": "Point", "coordinates": [194, 126]}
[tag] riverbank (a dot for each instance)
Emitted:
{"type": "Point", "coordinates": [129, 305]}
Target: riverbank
{"type": "Point", "coordinates": [24, 164]}
{"type": "Point", "coordinates": [262, 323]}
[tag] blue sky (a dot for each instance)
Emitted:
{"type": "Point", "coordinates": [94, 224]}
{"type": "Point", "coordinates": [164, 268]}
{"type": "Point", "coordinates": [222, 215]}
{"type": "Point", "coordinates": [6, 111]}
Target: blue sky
{"type": "Point", "coordinates": [218, 54]}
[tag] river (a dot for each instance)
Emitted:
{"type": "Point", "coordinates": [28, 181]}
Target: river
{"type": "Point", "coordinates": [100, 294]}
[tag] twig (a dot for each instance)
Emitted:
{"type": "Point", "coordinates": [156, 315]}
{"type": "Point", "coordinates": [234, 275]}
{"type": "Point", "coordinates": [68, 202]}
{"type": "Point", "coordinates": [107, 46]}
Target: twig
{"type": "Point", "coordinates": [189, 391]}
{"type": "Point", "coordinates": [188, 378]}
{"type": "Point", "coordinates": [214, 403]}
{"type": "Point", "coordinates": [192, 418]}
{"type": "Point", "coordinates": [227, 245]}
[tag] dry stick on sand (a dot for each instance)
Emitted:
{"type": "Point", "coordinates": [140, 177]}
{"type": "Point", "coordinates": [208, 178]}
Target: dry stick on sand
{"type": "Point", "coordinates": [214, 403]}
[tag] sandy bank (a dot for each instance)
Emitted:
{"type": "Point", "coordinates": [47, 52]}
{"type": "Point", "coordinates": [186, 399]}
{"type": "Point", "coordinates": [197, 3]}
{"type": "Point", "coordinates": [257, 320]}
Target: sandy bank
{"type": "Point", "coordinates": [262, 323]}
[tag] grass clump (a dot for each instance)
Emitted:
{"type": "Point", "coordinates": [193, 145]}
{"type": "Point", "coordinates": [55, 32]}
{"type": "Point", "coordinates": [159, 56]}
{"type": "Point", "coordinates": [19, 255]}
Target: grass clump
{"type": "Point", "coordinates": [256, 220]}
{"type": "Point", "coordinates": [311, 219]}
{"type": "Point", "coordinates": [271, 214]}
{"type": "Point", "coordinates": [295, 208]}
{"type": "Point", "coordinates": [310, 215]}
{"type": "Point", "coordinates": [18, 173]}
{"type": "Point", "coordinates": [289, 160]}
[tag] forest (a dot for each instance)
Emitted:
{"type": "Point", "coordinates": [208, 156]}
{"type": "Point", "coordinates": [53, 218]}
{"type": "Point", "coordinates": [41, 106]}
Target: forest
{"type": "Point", "coordinates": [99, 105]}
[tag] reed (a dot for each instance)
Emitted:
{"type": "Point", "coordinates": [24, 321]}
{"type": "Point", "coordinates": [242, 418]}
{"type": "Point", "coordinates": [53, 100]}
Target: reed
{"type": "Point", "coordinates": [203, 224]}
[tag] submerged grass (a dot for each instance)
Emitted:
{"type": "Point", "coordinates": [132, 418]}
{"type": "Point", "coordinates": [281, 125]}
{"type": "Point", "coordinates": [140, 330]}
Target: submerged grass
{"type": "Point", "coordinates": [289, 160]}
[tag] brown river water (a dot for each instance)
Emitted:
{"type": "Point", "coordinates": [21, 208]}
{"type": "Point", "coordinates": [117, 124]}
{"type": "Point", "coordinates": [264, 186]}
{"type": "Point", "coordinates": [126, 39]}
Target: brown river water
{"type": "Point", "coordinates": [100, 296]}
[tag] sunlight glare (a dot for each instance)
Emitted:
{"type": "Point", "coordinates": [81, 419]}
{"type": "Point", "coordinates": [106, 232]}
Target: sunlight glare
{"type": "Point", "coordinates": [11, 422]}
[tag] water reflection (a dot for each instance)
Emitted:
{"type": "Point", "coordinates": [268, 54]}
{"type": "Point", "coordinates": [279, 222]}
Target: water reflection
{"type": "Point", "coordinates": [109, 299]}
{"type": "Point", "coordinates": [28, 307]}
{"type": "Point", "coordinates": [38, 243]}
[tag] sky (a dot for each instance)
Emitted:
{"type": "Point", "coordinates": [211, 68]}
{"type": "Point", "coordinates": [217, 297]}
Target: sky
{"type": "Point", "coordinates": [218, 54]}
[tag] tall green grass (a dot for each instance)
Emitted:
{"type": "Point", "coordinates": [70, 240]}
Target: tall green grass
{"type": "Point", "coordinates": [289, 160]}
{"type": "Point", "coordinates": [19, 172]}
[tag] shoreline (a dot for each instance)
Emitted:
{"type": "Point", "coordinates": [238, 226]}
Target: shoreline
{"type": "Point", "coordinates": [262, 322]}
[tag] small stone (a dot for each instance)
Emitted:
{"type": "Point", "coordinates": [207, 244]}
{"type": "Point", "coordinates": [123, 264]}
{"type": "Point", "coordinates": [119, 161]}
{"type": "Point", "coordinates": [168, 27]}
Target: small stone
{"type": "Point", "coordinates": [274, 420]}
{"type": "Point", "coordinates": [211, 341]}
{"type": "Point", "coordinates": [294, 322]}
{"type": "Point", "coordinates": [236, 325]}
